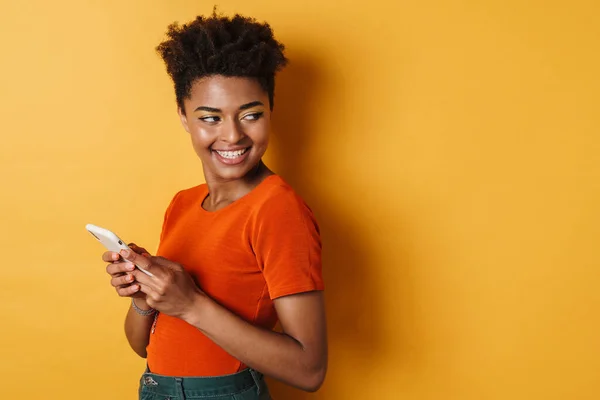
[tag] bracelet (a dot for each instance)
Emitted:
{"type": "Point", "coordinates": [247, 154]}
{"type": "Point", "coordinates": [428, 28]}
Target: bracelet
{"type": "Point", "coordinates": [144, 313]}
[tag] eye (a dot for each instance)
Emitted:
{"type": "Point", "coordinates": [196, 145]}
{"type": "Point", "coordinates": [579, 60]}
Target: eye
{"type": "Point", "coordinates": [211, 119]}
{"type": "Point", "coordinates": [253, 116]}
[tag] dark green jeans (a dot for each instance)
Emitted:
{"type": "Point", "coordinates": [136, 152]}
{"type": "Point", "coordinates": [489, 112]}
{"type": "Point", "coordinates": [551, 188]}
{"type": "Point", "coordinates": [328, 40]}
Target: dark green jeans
{"type": "Point", "coordinates": [244, 385]}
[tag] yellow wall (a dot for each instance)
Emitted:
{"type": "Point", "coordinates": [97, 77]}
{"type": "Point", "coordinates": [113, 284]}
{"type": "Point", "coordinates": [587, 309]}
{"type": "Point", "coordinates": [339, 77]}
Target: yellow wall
{"type": "Point", "coordinates": [449, 150]}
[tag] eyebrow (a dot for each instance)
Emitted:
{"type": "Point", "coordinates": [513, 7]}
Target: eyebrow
{"type": "Point", "coordinates": [242, 107]}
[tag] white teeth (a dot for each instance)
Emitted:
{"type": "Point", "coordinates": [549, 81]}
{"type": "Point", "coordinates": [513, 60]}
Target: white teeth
{"type": "Point", "coordinates": [231, 154]}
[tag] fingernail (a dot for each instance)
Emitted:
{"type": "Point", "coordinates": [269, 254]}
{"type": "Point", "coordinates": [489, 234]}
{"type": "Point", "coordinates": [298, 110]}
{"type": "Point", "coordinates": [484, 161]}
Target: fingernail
{"type": "Point", "coordinates": [115, 256]}
{"type": "Point", "coordinates": [130, 266]}
{"type": "Point", "coordinates": [129, 278]}
{"type": "Point", "coordinates": [125, 253]}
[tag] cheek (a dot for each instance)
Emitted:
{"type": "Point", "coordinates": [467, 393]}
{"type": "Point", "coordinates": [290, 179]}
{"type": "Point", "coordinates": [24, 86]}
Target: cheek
{"type": "Point", "coordinates": [201, 138]}
{"type": "Point", "coordinates": [259, 134]}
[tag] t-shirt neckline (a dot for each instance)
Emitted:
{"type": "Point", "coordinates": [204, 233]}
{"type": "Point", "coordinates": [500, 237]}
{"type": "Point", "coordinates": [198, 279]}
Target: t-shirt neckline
{"type": "Point", "coordinates": [245, 198]}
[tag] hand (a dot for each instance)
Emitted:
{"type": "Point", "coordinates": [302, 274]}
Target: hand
{"type": "Point", "coordinates": [171, 290]}
{"type": "Point", "coordinates": [122, 278]}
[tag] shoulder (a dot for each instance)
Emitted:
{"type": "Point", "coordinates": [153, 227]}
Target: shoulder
{"type": "Point", "coordinates": [185, 199]}
{"type": "Point", "coordinates": [277, 195]}
{"type": "Point", "coordinates": [284, 233]}
{"type": "Point", "coordinates": [279, 207]}
{"type": "Point", "coordinates": [190, 195]}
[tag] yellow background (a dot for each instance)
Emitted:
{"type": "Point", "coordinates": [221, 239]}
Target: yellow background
{"type": "Point", "coordinates": [449, 149]}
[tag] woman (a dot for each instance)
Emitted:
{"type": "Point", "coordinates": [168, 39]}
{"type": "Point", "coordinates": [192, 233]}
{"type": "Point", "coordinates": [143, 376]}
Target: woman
{"type": "Point", "coordinates": [236, 254]}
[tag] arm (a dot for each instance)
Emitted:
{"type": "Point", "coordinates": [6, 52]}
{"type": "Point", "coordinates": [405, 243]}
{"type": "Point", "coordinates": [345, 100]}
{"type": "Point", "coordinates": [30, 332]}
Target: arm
{"type": "Point", "coordinates": [137, 327]}
{"type": "Point", "coordinates": [298, 356]}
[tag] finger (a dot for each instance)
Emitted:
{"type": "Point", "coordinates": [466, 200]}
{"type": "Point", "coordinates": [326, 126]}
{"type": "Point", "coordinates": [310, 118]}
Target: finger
{"type": "Point", "coordinates": [163, 262]}
{"type": "Point", "coordinates": [110, 256]}
{"type": "Point", "coordinates": [138, 249]}
{"type": "Point", "coordinates": [139, 260]}
{"type": "Point", "coordinates": [128, 290]}
{"type": "Point", "coordinates": [122, 281]}
{"type": "Point", "coordinates": [119, 268]}
{"type": "Point", "coordinates": [154, 282]}
{"type": "Point", "coordinates": [141, 277]}
{"type": "Point", "coordinates": [151, 295]}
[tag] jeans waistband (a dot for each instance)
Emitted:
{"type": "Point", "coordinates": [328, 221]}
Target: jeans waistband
{"type": "Point", "coordinates": [201, 386]}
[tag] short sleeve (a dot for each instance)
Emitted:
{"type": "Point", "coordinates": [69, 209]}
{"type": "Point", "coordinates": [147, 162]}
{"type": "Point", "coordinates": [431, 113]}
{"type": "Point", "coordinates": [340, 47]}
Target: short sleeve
{"type": "Point", "coordinates": [287, 245]}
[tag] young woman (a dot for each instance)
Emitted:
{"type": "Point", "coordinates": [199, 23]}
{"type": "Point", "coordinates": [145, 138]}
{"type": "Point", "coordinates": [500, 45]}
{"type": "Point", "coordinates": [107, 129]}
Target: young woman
{"type": "Point", "coordinates": [236, 254]}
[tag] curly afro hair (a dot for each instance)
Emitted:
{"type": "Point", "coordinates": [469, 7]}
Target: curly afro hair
{"type": "Point", "coordinates": [218, 45]}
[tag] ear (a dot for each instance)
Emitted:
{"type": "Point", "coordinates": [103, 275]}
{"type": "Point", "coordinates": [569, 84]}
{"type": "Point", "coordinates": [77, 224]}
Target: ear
{"type": "Point", "coordinates": [183, 119]}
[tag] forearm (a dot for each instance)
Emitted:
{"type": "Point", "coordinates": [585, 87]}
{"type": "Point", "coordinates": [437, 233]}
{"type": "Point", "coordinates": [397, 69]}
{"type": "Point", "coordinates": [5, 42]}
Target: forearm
{"type": "Point", "coordinates": [275, 354]}
{"type": "Point", "coordinates": [137, 329]}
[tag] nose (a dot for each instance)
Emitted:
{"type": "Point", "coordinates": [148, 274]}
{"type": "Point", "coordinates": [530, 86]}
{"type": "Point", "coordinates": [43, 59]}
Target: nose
{"type": "Point", "coordinates": [232, 132]}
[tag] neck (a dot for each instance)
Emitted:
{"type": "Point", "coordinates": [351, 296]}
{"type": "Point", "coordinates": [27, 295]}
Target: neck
{"type": "Point", "coordinates": [227, 191]}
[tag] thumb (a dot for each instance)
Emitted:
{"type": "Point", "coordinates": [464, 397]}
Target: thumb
{"type": "Point", "coordinates": [142, 262]}
{"type": "Point", "coordinates": [138, 249]}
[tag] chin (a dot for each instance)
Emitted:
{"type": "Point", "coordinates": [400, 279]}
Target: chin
{"type": "Point", "coordinates": [232, 173]}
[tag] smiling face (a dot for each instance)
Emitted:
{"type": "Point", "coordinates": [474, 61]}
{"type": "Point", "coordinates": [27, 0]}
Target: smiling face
{"type": "Point", "coordinates": [228, 119]}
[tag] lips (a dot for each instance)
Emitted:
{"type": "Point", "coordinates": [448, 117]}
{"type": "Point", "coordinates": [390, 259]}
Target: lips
{"type": "Point", "coordinates": [231, 154]}
{"type": "Point", "coordinates": [232, 157]}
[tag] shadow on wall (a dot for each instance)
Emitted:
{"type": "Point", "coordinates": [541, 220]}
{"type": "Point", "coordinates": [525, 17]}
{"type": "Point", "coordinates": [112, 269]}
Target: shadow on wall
{"type": "Point", "coordinates": [351, 298]}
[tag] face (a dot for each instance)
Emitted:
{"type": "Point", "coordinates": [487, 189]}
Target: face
{"type": "Point", "coordinates": [228, 119]}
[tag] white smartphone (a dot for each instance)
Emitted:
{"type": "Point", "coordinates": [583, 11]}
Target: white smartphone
{"type": "Point", "coordinates": [111, 241]}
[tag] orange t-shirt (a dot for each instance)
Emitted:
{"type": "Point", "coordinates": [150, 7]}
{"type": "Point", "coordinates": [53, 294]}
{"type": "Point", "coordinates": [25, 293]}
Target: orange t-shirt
{"type": "Point", "coordinates": [263, 246]}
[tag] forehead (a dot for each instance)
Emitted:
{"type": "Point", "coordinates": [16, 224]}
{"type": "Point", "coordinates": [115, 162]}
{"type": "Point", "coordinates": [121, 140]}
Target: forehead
{"type": "Point", "coordinates": [225, 92]}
